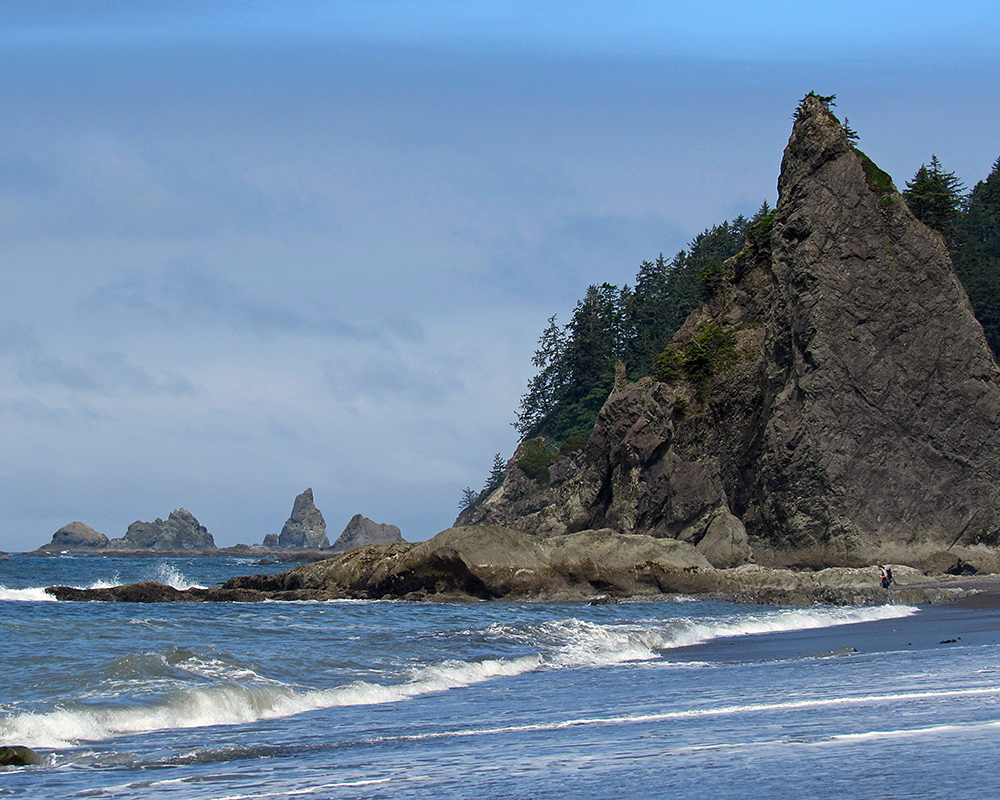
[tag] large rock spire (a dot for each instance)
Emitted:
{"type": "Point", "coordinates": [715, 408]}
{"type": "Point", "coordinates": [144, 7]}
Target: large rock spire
{"type": "Point", "coordinates": [850, 410]}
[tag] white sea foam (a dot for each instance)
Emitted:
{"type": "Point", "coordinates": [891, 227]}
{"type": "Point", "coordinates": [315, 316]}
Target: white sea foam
{"type": "Point", "coordinates": [577, 643]}
{"type": "Point", "coordinates": [167, 573]}
{"type": "Point", "coordinates": [228, 694]}
{"type": "Point", "coordinates": [31, 595]}
{"type": "Point", "coordinates": [690, 632]}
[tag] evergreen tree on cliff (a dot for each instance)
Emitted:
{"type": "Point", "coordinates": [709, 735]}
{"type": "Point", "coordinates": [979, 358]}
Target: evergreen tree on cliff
{"type": "Point", "coordinates": [935, 197]}
{"type": "Point", "coordinates": [977, 255]}
{"type": "Point", "coordinates": [576, 362]}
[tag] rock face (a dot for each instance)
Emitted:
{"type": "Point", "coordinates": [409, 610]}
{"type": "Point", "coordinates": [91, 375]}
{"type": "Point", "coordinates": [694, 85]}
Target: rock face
{"type": "Point", "coordinates": [75, 537]}
{"type": "Point", "coordinates": [851, 406]}
{"type": "Point", "coordinates": [305, 528]}
{"type": "Point", "coordinates": [181, 531]}
{"type": "Point", "coordinates": [361, 532]}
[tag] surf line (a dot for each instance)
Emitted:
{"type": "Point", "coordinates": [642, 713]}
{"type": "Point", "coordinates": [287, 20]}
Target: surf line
{"type": "Point", "coordinates": [694, 713]}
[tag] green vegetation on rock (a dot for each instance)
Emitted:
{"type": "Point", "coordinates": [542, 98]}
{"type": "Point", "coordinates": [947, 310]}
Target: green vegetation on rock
{"type": "Point", "coordinates": [633, 325]}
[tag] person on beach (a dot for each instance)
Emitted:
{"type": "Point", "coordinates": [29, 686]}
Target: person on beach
{"type": "Point", "coordinates": [885, 575]}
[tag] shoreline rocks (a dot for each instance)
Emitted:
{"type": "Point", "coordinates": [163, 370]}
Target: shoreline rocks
{"type": "Point", "coordinates": [473, 564]}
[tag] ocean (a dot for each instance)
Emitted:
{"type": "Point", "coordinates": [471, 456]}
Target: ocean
{"type": "Point", "coordinates": [350, 699]}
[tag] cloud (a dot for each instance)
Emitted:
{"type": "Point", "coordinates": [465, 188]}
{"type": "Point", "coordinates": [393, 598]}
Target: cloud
{"type": "Point", "coordinates": [560, 258]}
{"type": "Point", "coordinates": [183, 293]}
{"type": "Point", "coordinates": [107, 373]}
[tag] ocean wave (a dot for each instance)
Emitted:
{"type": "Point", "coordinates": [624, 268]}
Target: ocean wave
{"type": "Point", "coordinates": [691, 632]}
{"type": "Point", "coordinates": [232, 703]}
{"type": "Point", "coordinates": [578, 643]}
{"type": "Point", "coordinates": [163, 572]}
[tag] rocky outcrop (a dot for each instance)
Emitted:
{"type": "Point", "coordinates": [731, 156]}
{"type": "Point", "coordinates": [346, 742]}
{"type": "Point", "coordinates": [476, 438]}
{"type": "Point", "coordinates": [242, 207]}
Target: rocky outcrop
{"type": "Point", "coordinates": [305, 528]}
{"type": "Point", "coordinates": [361, 532]}
{"type": "Point", "coordinates": [846, 408]}
{"type": "Point", "coordinates": [76, 537]}
{"type": "Point", "coordinates": [179, 532]}
{"type": "Point", "coordinates": [474, 563]}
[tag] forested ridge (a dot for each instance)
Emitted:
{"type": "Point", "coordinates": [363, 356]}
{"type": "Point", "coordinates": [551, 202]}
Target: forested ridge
{"type": "Point", "coordinates": [634, 325]}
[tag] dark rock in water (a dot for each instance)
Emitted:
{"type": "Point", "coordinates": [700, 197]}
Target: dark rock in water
{"type": "Point", "coordinates": [361, 532]}
{"type": "Point", "coordinates": [180, 532]}
{"type": "Point", "coordinates": [76, 536]}
{"type": "Point", "coordinates": [305, 528]}
{"type": "Point", "coordinates": [19, 756]}
{"type": "Point", "coordinates": [848, 411]}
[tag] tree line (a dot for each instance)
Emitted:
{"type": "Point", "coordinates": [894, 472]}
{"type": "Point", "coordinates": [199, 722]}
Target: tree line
{"type": "Point", "coordinates": [970, 225]}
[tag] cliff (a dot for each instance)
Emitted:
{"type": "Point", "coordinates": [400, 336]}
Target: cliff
{"type": "Point", "coordinates": [834, 402]}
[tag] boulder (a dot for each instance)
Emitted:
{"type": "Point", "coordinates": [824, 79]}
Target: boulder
{"type": "Point", "coordinates": [305, 528]}
{"type": "Point", "coordinates": [361, 532]}
{"type": "Point", "coordinates": [19, 756]}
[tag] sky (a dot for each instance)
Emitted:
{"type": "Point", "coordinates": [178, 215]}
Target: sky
{"type": "Point", "coordinates": [254, 246]}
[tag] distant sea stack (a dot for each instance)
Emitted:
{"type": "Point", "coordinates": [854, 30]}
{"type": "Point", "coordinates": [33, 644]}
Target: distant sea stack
{"type": "Point", "coordinates": [361, 532]}
{"type": "Point", "coordinates": [76, 537]}
{"type": "Point", "coordinates": [833, 402]}
{"type": "Point", "coordinates": [305, 528]}
{"type": "Point", "coordinates": [180, 532]}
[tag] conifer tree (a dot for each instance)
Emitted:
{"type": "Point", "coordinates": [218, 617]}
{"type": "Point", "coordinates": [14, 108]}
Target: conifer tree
{"type": "Point", "coordinates": [935, 197]}
{"type": "Point", "coordinates": [976, 253]}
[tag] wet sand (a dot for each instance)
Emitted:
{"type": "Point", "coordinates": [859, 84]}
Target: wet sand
{"type": "Point", "coordinates": [970, 621]}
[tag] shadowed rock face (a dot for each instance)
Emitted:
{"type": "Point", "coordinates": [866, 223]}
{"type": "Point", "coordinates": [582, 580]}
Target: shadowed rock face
{"type": "Point", "coordinates": [181, 531]}
{"type": "Point", "coordinates": [305, 528]}
{"type": "Point", "coordinates": [361, 532]}
{"type": "Point", "coordinates": [857, 417]}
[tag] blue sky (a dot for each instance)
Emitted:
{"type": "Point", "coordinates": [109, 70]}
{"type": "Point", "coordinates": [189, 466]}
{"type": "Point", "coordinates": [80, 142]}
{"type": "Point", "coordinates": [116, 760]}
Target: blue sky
{"type": "Point", "coordinates": [251, 247]}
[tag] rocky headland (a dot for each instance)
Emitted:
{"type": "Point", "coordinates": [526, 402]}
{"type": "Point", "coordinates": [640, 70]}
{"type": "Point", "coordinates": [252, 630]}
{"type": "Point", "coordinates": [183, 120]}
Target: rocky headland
{"type": "Point", "coordinates": [845, 409]}
{"type": "Point", "coordinates": [832, 405]}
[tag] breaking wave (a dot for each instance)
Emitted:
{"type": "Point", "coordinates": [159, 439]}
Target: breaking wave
{"type": "Point", "coordinates": [182, 689]}
{"type": "Point", "coordinates": [229, 702]}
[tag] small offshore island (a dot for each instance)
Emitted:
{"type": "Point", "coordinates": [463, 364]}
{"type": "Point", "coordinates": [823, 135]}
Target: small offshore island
{"type": "Point", "coordinates": [832, 405]}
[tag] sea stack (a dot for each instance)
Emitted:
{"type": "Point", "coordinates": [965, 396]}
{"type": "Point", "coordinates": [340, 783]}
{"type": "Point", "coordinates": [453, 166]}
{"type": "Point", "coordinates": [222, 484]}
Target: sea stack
{"type": "Point", "coordinates": [76, 536]}
{"type": "Point", "coordinates": [849, 410]}
{"type": "Point", "coordinates": [305, 528]}
{"type": "Point", "coordinates": [180, 532]}
{"type": "Point", "coordinates": [361, 532]}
